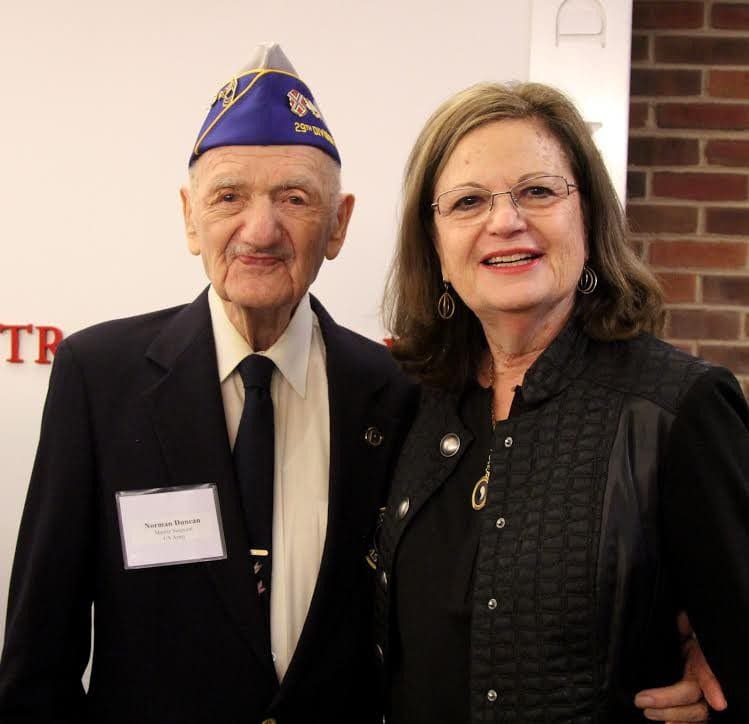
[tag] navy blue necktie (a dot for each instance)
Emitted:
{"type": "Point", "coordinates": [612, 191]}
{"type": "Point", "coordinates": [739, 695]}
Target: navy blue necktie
{"type": "Point", "coordinates": [253, 463]}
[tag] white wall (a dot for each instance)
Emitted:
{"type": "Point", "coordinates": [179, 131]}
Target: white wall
{"type": "Point", "coordinates": [583, 48]}
{"type": "Point", "coordinates": [102, 102]}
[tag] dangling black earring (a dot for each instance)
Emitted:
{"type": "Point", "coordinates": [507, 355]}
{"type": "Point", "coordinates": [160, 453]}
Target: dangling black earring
{"type": "Point", "coordinates": [446, 303]}
{"type": "Point", "coordinates": [588, 281]}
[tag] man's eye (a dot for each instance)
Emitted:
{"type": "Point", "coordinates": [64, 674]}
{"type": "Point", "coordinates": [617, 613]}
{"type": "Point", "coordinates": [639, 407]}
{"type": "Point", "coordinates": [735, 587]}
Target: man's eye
{"type": "Point", "coordinates": [294, 197]}
{"type": "Point", "coordinates": [228, 197]}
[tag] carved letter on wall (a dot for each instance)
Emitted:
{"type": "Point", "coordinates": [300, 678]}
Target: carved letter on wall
{"type": "Point", "coordinates": [578, 19]}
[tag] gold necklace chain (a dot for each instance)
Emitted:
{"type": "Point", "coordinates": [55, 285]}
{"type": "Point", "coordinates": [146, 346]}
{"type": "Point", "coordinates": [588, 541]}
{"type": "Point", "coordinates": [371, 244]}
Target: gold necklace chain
{"type": "Point", "coordinates": [481, 488]}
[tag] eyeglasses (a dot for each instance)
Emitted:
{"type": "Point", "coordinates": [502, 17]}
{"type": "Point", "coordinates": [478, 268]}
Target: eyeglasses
{"type": "Point", "coordinates": [472, 205]}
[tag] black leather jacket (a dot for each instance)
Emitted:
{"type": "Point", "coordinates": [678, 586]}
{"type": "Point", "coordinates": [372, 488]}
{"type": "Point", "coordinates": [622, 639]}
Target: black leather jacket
{"type": "Point", "coordinates": [618, 496]}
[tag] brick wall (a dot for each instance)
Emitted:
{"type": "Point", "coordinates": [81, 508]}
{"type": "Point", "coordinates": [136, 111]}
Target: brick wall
{"type": "Point", "coordinates": [687, 183]}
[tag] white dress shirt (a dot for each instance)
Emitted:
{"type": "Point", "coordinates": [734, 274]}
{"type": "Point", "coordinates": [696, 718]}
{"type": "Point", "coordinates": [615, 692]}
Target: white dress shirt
{"type": "Point", "coordinates": [299, 389]}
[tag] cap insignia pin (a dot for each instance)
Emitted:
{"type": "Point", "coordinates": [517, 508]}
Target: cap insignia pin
{"type": "Point", "coordinates": [298, 103]}
{"type": "Point", "coordinates": [226, 94]}
{"type": "Point", "coordinates": [312, 108]}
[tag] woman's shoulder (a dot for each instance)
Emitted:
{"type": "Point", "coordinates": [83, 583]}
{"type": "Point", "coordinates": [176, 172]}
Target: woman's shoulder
{"type": "Point", "coordinates": [647, 367]}
{"type": "Point", "coordinates": [444, 412]}
{"type": "Point", "coordinates": [431, 396]}
{"type": "Point", "coordinates": [437, 401]}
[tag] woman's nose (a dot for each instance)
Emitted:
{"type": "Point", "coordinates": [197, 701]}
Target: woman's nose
{"type": "Point", "coordinates": [504, 216]}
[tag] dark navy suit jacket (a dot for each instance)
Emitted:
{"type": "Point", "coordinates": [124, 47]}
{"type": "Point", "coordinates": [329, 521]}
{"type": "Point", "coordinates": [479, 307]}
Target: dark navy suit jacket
{"type": "Point", "coordinates": [136, 403]}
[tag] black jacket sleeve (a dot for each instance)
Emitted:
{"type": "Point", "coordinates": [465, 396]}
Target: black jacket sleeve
{"type": "Point", "coordinates": [47, 638]}
{"type": "Point", "coordinates": [705, 516]}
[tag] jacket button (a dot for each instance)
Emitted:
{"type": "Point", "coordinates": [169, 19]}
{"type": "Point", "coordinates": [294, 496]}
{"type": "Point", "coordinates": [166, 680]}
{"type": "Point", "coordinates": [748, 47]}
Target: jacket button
{"type": "Point", "coordinates": [491, 695]}
{"type": "Point", "coordinates": [492, 604]}
{"type": "Point", "coordinates": [380, 654]}
{"type": "Point", "coordinates": [508, 441]}
{"type": "Point", "coordinates": [269, 721]}
{"type": "Point", "coordinates": [403, 507]}
{"type": "Point", "coordinates": [373, 437]}
{"type": "Point", "coordinates": [501, 522]}
{"type": "Point", "coordinates": [449, 445]}
{"type": "Point", "coordinates": [383, 580]}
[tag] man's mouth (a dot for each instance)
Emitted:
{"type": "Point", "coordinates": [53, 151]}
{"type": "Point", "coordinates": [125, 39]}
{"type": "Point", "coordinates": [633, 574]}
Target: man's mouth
{"type": "Point", "coordinates": [248, 252]}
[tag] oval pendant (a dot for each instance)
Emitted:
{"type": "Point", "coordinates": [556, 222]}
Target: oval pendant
{"type": "Point", "coordinates": [480, 491]}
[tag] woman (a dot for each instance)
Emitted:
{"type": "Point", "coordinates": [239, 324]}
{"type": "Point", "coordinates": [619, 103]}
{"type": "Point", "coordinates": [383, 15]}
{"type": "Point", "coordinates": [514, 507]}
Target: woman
{"type": "Point", "coordinates": [570, 482]}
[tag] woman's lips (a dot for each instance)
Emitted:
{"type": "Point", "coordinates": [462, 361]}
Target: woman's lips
{"type": "Point", "coordinates": [515, 261]}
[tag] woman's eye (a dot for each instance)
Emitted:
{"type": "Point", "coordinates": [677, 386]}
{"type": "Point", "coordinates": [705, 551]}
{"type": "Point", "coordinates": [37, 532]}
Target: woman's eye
{"type": "Point", "coordinates": [538, 192]}
{"type": "Point", "coordinates": [468, 202]}
{"type": "Point", "coordinates": [295, 200]}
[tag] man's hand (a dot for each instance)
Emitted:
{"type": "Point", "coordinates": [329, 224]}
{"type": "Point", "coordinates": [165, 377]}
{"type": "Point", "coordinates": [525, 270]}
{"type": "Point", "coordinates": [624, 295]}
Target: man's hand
{"type": "Point", "coordinates": [683, 702]}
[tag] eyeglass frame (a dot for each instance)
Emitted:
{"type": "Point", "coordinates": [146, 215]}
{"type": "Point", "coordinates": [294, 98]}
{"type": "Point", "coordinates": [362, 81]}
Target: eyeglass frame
{"type": "Point", "coordinates": [493, 194]}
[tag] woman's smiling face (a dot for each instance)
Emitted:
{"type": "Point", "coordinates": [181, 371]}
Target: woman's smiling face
{"type": "Point", "coordinates": [511, 260]}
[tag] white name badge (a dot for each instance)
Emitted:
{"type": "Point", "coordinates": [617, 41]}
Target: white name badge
{"type": "Point", "coordinates": [170, 526]}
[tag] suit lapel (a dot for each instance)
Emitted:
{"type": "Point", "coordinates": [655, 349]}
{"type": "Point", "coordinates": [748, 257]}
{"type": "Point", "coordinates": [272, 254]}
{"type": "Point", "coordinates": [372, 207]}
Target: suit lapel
{"type": "Point", "coordinates": [189, 421]}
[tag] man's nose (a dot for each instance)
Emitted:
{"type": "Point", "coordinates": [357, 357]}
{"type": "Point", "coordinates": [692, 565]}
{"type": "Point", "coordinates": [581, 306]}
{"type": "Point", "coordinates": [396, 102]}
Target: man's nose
{"type": "Point", "coordinates": [260, 225]}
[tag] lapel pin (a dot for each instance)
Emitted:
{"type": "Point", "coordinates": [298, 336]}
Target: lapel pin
{"type": "Point", "coordinates": [373, 437]}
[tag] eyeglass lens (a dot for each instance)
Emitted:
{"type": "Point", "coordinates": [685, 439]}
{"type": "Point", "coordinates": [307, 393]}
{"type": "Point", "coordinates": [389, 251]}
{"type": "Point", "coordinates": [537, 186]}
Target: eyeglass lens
{"type": "Point", "coordinates": [530, 195]}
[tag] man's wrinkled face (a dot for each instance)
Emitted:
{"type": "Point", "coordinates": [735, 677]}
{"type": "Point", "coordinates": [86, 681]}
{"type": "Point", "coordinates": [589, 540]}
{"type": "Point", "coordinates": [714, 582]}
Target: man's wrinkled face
{"type": "Point", "coordinates": [263, 218]}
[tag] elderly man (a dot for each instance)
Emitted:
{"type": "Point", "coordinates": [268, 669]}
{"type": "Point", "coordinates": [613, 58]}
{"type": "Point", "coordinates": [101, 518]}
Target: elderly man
{"type": "Point", "coordinates": [137, 504]}
{"type": "Point", "coordinates": [208, 476]}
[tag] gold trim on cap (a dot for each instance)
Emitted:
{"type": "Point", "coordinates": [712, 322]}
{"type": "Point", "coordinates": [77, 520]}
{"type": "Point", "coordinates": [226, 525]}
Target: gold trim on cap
{"type": "Point", "coordinates": [260, 73]}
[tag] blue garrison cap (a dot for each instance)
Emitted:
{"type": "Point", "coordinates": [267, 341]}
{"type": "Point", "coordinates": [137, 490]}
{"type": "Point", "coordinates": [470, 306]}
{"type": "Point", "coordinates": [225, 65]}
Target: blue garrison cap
{"type": "Point", "coordinates": [265, 104]}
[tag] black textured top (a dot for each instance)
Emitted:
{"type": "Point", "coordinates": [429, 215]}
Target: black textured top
{"type": "Point", "coordinates": [618, 494]}
{"type": "Point", "coordinates": [434, 585]}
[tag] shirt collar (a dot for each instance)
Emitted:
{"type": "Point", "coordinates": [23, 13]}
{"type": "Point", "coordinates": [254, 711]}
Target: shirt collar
{"type": "Point", "coordinates": [558, 365]}
{"type": "Point", "coordinates": [290, 352]}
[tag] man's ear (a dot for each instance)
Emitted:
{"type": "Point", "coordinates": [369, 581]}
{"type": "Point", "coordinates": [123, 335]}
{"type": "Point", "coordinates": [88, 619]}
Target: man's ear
{"type": "Point", "coordinates": [343, 216]}
{"type": "Point", "coordinates": [193, 243]}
